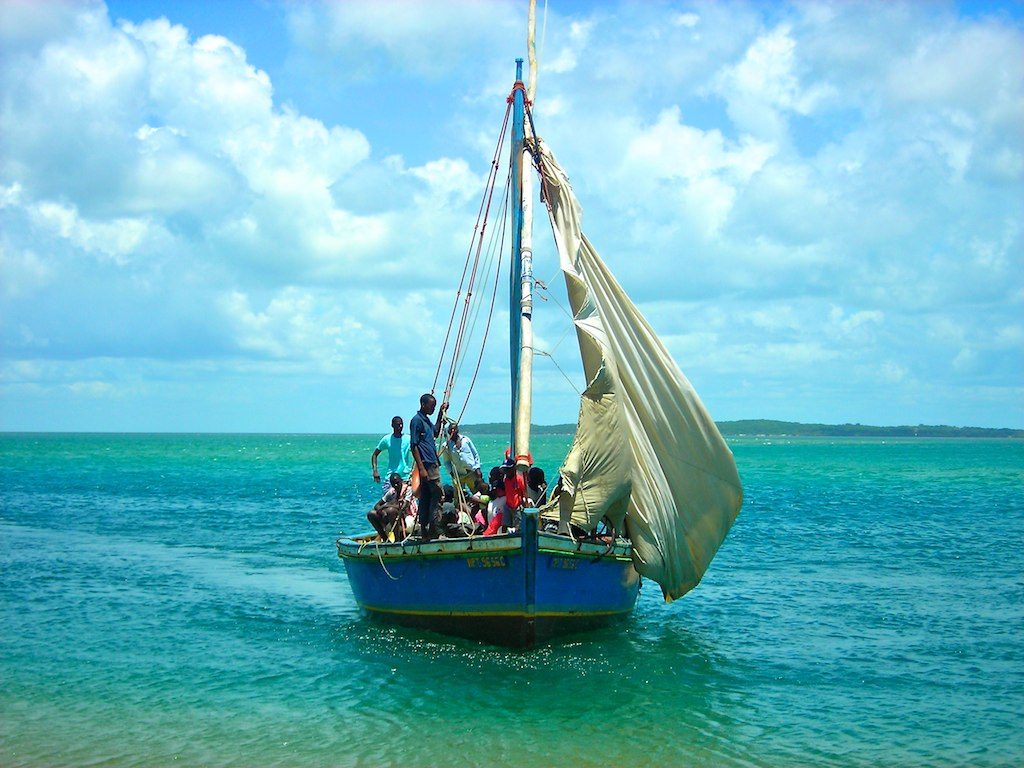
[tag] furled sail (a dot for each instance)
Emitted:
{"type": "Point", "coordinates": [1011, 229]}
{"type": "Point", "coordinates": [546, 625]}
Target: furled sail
{"type": "Point", "coordinates": [645, 447]}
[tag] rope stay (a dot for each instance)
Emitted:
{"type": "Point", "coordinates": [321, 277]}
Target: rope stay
{"type": "Point", "coordinates": [481, 271]}
{"type": "Point", "coordinates": [460, 336]}
{"type": "Point", "coordinates": [497, 245]}
{"type": "Point", "coordinates": [490, 316]}
{"type": "Point", "coordinates": [478, 231]}
{"type": "Point", "coordinates": [554, 362]}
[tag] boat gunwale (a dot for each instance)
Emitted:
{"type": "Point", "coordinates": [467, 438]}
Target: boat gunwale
{"type": "Point", "coordinates": [371, 550]}
{"type": "Point", "coordinates": [548, 544]}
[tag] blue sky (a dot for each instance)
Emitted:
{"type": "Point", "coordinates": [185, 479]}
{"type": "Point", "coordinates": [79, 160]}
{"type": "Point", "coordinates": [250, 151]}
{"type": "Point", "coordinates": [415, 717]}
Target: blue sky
{"type": "Point", "coordinates": [251, 216]}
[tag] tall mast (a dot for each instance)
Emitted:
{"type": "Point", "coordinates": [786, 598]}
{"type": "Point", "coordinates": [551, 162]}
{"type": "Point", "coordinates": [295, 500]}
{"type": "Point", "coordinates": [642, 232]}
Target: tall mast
{"type": "Point", "coordinates": [523, 417]}
{"type": "Point", "coordinates": [522, 256]}
{"type": "Point", "coordinates": [516, 272]}
{"type": "Point", "coordinates": [522, 425]}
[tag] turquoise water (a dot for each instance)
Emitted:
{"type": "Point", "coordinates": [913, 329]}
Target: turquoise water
{"type": "Point", "coordinates": [177, 599]}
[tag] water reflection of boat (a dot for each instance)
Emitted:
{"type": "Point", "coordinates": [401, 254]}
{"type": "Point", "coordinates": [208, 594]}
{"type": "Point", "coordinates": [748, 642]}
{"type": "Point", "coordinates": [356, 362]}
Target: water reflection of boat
{"type": "Point", "coordinates": [647, 461]}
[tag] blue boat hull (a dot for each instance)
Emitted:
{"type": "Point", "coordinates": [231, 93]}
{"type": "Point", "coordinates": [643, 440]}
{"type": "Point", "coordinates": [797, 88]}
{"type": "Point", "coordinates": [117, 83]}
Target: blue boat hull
{"type": "Point", "coordinates": [508, 590]}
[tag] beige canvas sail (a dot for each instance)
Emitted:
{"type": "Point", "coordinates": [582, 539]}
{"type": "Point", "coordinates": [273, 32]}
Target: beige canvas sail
{"type": "Point", "coordinates": [645, 446]}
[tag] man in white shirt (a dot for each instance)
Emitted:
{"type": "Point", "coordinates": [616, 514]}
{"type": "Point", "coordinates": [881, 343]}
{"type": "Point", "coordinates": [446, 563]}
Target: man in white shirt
{"type": "Point", "coordinates": [461, 459]}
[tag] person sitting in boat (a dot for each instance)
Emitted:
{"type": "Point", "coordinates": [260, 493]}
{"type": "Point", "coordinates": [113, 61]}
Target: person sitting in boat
{"type": "Point", "coordinates": [497, 511]}
{"type": "Point", "coordinates": [423, 433]}
{"type": "Point", "coordinates": [536, 487]}
{"type": "Point", "coordinates": [389, 513]}
{"type": "Point", "coordinates": [399, 454]}
{"type": "Point", "coordinates": [515, 493]}
{"type": "Point", "coordinates": [449, 509]}
{"type": "Point", "coordinates": [461, 459]}
{"type": "Point", "coordinates": [478, 504]}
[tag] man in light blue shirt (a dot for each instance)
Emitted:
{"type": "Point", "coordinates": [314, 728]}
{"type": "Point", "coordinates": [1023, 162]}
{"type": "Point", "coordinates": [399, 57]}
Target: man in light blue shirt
{"type": "Point", "coordinates": [399, 454]}
{"type": "Point", "coordinates": [461, 459]}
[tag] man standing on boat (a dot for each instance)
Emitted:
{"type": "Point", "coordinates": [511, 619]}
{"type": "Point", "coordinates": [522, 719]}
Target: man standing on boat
{"type": "Point", "coordinates": [461, 459]}
{"type": "Point", "coordinates": [399, 454]}
{"type": "Point", "coordinates": [423, 433]}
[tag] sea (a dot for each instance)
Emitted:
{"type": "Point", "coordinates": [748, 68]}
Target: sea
{"type": "Point", "coordinates": [177, 599]}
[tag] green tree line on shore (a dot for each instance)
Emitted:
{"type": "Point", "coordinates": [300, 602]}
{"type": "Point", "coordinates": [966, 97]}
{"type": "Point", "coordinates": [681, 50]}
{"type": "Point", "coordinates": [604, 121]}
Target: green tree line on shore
{"type": "Point", "coordinates": [770, 427]}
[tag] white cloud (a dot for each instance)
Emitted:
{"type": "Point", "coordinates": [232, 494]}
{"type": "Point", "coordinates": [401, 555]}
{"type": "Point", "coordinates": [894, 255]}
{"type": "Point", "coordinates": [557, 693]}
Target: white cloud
{"type": "Point", "coordinates": [762, 88]}
{"type": "Point", "coordinates": [426, 38]}
{"type": "Point", "coordinates": [685, 20]}
{"type": "Point", "coordinates": [708, 168]}
{"type": "Point", "coordinates": [892, 372]}
{"type": "Point", "coordinates": [93, 388]}
{"type": "Point", "coordinates": [568, 56]}
{"type": "Point", "coordinates": [116, 239]}
{"type": "Point", "coordinates": [965, 359]}
{"type": "Point", "coordinates": [856, 327]}
{"type": "Point", "coordinates": [1009, 337]}
{"type": "Point", "coordinates": [293, 326]}
{"type": "Point", "coordinates": [178, 128]}
{"type": "Point", "coordinates": [23, 272]}
{"type": "Point", "coordinates": [28, 23]}
{"type": "Point", "coordinates": [448, 180]}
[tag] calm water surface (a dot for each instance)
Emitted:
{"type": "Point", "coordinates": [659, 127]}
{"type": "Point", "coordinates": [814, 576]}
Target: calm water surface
{"type": "Point", "coordinates": [177, 599]}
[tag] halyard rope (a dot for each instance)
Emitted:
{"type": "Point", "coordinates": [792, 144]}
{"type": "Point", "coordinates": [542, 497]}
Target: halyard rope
{"type": "Point", "coordinates": [481, 224]}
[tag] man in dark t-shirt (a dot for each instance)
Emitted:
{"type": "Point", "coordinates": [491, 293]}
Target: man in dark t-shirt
{"type": "Point", "coordinates": [422, 434]}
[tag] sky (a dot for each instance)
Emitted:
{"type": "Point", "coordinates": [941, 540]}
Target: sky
{"type": "Point", "coordinates": [252, 217]}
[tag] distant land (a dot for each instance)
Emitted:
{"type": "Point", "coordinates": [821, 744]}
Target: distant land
{"type": "Point", "coordinates": [768, 427]}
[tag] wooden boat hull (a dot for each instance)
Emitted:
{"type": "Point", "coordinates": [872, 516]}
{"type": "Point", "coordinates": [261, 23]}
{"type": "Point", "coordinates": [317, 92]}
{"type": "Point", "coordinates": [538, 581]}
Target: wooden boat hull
{"type": "Point", "coordinates": [507, 590]}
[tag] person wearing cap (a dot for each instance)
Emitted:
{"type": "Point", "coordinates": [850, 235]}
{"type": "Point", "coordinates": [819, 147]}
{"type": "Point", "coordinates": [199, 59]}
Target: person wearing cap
{"type": "Point", "coordinates": [461, 459]}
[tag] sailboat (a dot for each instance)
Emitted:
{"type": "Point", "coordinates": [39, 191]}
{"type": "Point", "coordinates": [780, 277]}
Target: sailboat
{"type": "Point", "coordinates": [646, 461]}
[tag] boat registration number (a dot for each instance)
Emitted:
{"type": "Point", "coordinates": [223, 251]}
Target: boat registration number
{"type": "Point", "coordinates": [492, 561]}
{"type": "Point", "coordinates": [564, 563]}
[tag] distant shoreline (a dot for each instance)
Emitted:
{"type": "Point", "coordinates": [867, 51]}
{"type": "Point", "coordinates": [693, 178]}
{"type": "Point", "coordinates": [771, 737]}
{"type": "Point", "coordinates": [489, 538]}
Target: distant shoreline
{"type": "Point", "coordinates": [770, 428]}
{"type": "Point", "coordinates": [743, 428]}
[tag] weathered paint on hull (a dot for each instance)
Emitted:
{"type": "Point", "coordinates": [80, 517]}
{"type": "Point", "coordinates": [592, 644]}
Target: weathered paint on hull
{"type": "Point", "coordinates": [507, 590]}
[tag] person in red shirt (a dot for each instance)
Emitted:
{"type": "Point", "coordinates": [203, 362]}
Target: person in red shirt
{"type": "Point", "coordinates": [515, 489]}
{"type": "Point", "coordinates": [514, 486]}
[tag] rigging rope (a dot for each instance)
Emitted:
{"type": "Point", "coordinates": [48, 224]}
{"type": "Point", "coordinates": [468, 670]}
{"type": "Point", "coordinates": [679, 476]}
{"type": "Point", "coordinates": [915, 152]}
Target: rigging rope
{"type": "Point", "coordinates": [487, 328]}
{"type": "Point", "coordinates": [477, 228]}
{"type": "Point", "coordinates": [460, 334]}
{"type": "Point", "coordinates": [479, 261]}
{"type": "Point", "coordinates": [497, 245]}
{"type": "Point", "coordinates": [478, 266]}
{"type": "Point", "coordinates": [549, 356]}
{"type": "Point", "coordinates": [381, 561]}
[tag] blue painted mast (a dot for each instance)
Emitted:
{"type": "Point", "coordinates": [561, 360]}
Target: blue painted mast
{"type": "Point", "coordinates": [529, 522]}
{"type": "Point", "coordinates": [516, 272]}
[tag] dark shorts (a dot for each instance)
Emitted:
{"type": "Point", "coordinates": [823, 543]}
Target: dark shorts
{"type": "Point", "coordinates": [430, 498]}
